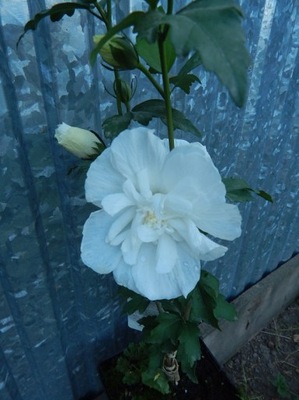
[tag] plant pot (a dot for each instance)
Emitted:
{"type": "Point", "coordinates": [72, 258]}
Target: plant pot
{"type": "Point", "coordinates": [213, 383]}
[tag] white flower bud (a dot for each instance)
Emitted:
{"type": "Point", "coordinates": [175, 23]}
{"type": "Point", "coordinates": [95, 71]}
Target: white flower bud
{"type": "Point", "coordinates": [80, 142]}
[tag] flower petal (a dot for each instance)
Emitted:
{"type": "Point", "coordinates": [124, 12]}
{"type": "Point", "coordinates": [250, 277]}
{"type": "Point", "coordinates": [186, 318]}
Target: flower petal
{"type": "Point", "coordinates": [102, 179]}
{"type": "Point", "coordinates": [114, 203]}
{"type": "Point", "coordinates": [120, 222]}
{"type": "Point", "coordinates": [123, 276]}
{"type": "Point", "coordinates": [166, 254]}
{"type": "Point", "coordinates": [138, 149]}
{"type": "Point", "coordinates": [200, 245]}
{"type": "Point", "coordinates": [95, 252]}
{"type": "Point", "coordinates": [187, 270]}
{"type": "Point", "coordinates": [149, 282]}
{"type": "Point", "coordinates": [192, 162]}
{"type": "Point", "coordinates": [220, 220]}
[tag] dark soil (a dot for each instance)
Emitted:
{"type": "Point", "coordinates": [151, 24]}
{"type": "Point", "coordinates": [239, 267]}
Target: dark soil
{"type": "Point", "coordinates": [267, 367]}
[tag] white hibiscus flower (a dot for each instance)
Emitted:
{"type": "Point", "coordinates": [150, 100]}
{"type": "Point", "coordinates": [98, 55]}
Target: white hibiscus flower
{"type": "Point", "coordinates": [155, 206]}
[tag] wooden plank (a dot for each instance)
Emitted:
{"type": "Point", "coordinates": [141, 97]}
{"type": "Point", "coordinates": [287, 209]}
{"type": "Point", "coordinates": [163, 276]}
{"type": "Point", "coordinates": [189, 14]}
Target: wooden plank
{"type": "Point", "coordinates": [256, 308]}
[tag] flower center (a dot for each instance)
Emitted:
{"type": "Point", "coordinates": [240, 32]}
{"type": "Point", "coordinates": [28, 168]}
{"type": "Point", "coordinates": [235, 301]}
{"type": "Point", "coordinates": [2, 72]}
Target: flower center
{"type": "Point", "coordinates": [150, 219]}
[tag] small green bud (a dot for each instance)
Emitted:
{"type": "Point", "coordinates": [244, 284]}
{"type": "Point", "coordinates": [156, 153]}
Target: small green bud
{"type": "Point", "coordinates": [119, 52]}
{"type": "Point", "coordinates": [122, 90]}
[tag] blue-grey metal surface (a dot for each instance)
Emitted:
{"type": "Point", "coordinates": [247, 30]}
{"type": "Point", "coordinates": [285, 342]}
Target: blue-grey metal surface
{"type": "Point", "coordinates": [57, 317]}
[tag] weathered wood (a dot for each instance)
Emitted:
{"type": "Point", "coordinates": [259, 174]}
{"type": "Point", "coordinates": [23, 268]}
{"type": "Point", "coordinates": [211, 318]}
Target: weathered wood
{"type": "Point", "coordinates": [256, 307]}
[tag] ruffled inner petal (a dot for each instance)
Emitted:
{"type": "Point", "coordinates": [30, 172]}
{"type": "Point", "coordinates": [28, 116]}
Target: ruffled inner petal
{"type": "Point", "coordinates": [119, 223]}
{"type": "Point", "coordinates": [147, 233]}
{"type": "Point", "coordinates": [114, 203]}
{"type": "Point", "coordinates": [95, 252]}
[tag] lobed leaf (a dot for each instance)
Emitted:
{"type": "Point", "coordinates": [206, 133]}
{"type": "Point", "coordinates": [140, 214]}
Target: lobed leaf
{"type": "Point", "coordinates": [168, 327]}
{"type": "Point", "coordinates": [189, 350]}
{"type": "Point", "coordinates": [184, 82]}
{"type": "Point", "coordinates": [211, 28]}
{"type": "Point", "coordinates": [156, 109]}
{"type": "Point", "coordinates": [224, 309]}
{"type": "Point", "coordinates": [55, 13]}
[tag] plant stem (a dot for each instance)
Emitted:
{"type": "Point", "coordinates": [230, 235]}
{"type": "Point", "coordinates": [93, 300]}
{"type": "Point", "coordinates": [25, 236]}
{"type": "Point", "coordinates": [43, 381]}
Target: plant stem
{"type": "Point", "coordinates": [103, 14]}
{"type": "Point", "coordinates": [118, 101]}
{"type": "Point", "coordinates": [159, 307]}
{"type": "Point", "coordinates": [187, 311]}
{"type": "Point", "coordinates": [166, 86]}
{"type": "Point", "coordinates": [142, 68]}
{"type": "Point", "coordinates": [107, 18]}
{"type": "Point", "coordinates": [169, 7]}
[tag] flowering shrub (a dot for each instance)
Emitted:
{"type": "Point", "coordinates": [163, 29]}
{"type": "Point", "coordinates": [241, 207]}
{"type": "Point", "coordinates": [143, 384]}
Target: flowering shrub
{"type": "Point", "coordinates": [161, 202]}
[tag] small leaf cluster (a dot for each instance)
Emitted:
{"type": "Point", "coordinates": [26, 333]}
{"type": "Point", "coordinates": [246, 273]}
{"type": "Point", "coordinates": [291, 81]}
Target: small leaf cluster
{"type": "Point", "coordinates": [140, 364]}
{"type": "Point", "coordinates": [176, 328]}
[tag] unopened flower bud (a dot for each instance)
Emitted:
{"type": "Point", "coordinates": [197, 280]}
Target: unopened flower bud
{"type": "Point", "coordinates": [122, 90]}
{"type": "Point", "coordinates": [119, 52]}
{"type": "Point", "coordinates": [80, 142]}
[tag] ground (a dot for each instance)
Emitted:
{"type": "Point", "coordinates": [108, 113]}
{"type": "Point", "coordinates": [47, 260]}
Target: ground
{"type": "Point", "coordinates": [267, 367]}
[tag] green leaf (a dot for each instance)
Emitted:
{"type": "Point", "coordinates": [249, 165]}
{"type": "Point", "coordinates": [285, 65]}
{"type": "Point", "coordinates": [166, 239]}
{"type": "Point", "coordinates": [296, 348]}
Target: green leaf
{"type": "Point", "coordinates": [55, 13]}
{"type": "Point", "coordinates": [189, 350]}
{"type": "Point", "coordinates": [239, 190]}
{"type": "Point", "coordinates": [193, 62]}
{"type": "Point", "coordinates": [132, 301]}
{"type": "Point", "coordinates": [128, 21]}
{"type": "Point", "coordinates": [184, 81]}
{"type": "Point", "coordinates": [168, 326]}
{"type": "Point", "coordinates": [149, 323]}
{"type": "Point", "coordinates": [112, 126]}
{"type": "Point", "coordinates": [211, 28]}
{"type": "Point", "coordinates": [156, 109]}
{"type": "Point", "coordinates": [156, 379]}
{"type": "Point", "coordinates": [209, 283]}
{"type": "Point", "coordinates": [203, 305]}
{"type": "Point", "coordinates": [266, 196]}
{"type": "Point", "coordinates": [224, 309]}
{"type": "Point", "coordinates": [150, 53]}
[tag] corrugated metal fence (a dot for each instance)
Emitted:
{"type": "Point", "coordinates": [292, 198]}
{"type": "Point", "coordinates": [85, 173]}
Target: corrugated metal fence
{"type": "Point", "coordinates": [57, 317]}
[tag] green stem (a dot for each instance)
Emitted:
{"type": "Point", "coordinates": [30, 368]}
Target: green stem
{"type": "Point", "coordinates": [107, 18]}
{"type": "Point", "coordinates": [159, 307]}
{"type": "Point", "coordinates": [187, 311]}
{"type": "Point", "coordinates": [128, 106]}
{"type": "Point", "coordinates": [169, 7]}
{"type": "Point", "coordinates": [166, 86]}
{"type": "Point", "coordinates": [118, 101]}
{"type": "Point", "coordinates": [109, 12]}
{"type": "Point", "coordinates": [142, 68]}
{"type": "Point", "coordinates": [103, 14]}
